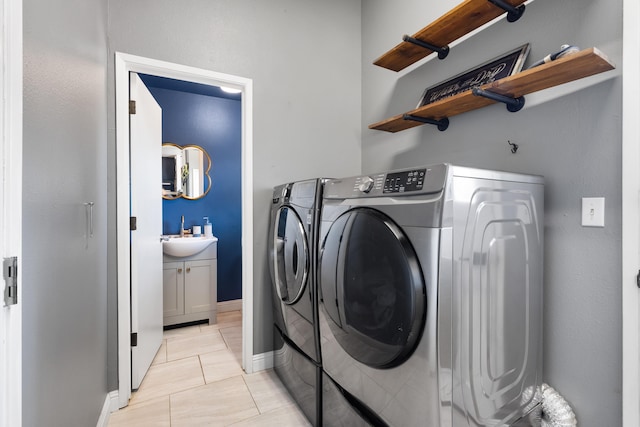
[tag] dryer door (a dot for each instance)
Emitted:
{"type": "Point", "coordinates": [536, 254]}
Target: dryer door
{"type": "Point", "coordinates": [291, 260]}
{"type": "Point", "coordinates": [372, 288]}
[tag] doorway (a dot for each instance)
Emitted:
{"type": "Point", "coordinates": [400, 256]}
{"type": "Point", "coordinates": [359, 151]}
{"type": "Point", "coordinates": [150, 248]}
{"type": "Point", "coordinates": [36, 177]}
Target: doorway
{"type": "Point", "coordinates": [124, 64]}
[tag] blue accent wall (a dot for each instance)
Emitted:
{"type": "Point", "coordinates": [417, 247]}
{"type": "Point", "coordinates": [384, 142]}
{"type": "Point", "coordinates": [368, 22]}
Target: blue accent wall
{"type": "Point", "coordinates": [215, 125]}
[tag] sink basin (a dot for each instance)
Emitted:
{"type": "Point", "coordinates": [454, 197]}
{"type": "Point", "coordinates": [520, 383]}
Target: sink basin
{"type": "Point", "coordinates": [185, 246]}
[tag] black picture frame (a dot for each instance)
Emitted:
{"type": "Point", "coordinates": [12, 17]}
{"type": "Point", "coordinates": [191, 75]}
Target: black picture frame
{"type": "Point", "coordinates": [503, 66]}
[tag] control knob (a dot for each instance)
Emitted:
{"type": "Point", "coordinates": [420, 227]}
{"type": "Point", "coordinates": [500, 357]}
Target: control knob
{"type": "Point", "coordinates": [366, 184]}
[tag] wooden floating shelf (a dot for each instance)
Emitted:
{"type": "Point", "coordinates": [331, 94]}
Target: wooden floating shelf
{"type": "Point", "coordinates": [582, 64]}
{"type": "Point", "coordinates": [464, 18]}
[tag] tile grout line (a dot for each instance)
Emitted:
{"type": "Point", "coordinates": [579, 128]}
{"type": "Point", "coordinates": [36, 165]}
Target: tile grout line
{"type": "Point", "coordinates": [251, 394]}
{"type": "Point", "coordinates": [204, 378]}
{"type": "Point", "coordinates": [223, 339]}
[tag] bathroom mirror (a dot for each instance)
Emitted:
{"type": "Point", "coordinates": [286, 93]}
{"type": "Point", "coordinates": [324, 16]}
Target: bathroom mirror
{"type": "Point", "coordinates": [185, 171]}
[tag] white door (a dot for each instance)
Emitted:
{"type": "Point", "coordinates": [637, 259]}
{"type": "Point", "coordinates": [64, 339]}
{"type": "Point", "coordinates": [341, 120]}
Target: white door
{"type": "Point", "coordinates": [146, 248]}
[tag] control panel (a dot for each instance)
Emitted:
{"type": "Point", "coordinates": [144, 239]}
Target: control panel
{"type": "Point", "coordinates": [400, 182]}
{"type": "Point", "coordinates": [394, 182]}
{"type": "Point", "coordinates": [421, 180]}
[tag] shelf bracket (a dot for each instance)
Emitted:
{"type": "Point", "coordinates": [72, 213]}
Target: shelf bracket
{"type": "Point", "coordinates": [442, 124]}
{"type": "Point", "coordinates": [513, 104]}
{"type": "Point", "coordinates": [513, 13]}
{"type": "Point", "coordinates": [442, 51]}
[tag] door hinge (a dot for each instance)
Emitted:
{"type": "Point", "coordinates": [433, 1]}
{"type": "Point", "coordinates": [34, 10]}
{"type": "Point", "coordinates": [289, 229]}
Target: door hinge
{"type": "Point", "coordinates": [10, 273]}
{"type": "Point", "coordinates": [132, 107]}
{"type": "Point", "coordinates": [133, 223]}
{"type": "Point", "coordinates": [134, 339]}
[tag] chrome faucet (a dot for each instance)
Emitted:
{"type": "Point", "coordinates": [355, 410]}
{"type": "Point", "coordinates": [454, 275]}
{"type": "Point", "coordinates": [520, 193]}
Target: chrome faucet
{"type": "Point", "coordinates": [182, 226]}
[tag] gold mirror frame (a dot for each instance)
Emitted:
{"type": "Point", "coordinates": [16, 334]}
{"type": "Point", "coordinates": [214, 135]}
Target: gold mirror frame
{"type": "Point", "coordinates": [175, 188]}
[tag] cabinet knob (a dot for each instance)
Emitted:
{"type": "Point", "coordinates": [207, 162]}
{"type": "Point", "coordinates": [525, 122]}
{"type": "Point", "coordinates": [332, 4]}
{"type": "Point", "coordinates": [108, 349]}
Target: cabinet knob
{"type": "Point", "coordinates": [188, 269]}
{"type": "Point", "coordinates": [179, 270]}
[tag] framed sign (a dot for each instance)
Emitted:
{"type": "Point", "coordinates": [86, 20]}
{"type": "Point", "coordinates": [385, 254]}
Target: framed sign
{"type": "Point", "coordinates": [504, 66]}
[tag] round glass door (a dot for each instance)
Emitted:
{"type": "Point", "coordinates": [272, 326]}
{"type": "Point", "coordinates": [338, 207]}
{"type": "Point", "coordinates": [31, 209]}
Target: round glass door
{"type": "Point", "coordinates": [291, 257]}
{"type": "Point", "coordinates": [372, 288]}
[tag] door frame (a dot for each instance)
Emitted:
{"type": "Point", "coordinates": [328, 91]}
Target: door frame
{"type": "Point", "coordinates": [125, 63]}
{"type": "Point", "coordinates": [630, 215]}
{"type": "Point", "coordinates": [11, 208]}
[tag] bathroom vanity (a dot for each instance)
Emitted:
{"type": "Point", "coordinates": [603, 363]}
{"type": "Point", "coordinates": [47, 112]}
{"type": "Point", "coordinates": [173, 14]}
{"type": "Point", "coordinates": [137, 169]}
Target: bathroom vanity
{"type": "Point", "coordinates": [190, 286]}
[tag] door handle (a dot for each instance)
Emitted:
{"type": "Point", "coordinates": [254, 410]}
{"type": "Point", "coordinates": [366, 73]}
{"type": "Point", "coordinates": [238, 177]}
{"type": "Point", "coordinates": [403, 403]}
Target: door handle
{"type": "Point", "coordinates": [89, 207]}
{"type": "Point", "coordinates": [89, 218]}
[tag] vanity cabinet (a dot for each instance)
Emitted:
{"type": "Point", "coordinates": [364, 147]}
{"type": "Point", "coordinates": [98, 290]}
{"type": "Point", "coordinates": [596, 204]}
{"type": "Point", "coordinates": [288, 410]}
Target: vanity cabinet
{"type": "Point", "coordinates": [190, 287]}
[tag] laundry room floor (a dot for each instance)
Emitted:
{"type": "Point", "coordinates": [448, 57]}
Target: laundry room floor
{"type": "Point", "coordinates": [196, 379]}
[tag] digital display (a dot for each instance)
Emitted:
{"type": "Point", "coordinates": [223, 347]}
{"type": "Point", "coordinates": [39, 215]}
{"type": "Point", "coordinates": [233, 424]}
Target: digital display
{"type": "Point", "coordinates": [400, 182]}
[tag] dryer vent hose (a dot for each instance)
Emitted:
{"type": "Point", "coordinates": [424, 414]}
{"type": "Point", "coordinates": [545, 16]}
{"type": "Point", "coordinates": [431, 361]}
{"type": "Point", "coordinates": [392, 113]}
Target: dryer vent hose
{"type": "Point", "coordinates": [556, 412]}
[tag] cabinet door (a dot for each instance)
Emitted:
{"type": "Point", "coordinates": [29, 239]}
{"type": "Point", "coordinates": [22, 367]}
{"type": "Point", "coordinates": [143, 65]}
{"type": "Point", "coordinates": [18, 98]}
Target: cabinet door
{"type": "Point", "coordinates": [198, 280]}
{"type": "Point", "coordinates": [173, 288]}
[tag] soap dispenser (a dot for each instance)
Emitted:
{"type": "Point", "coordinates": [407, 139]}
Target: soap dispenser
{"type": "Point", "coordinates": [208, 230]}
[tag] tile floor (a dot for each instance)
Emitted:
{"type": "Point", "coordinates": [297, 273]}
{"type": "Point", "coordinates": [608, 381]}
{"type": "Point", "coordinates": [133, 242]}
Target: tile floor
{"type": "Point", "coordinates": [196, 379]}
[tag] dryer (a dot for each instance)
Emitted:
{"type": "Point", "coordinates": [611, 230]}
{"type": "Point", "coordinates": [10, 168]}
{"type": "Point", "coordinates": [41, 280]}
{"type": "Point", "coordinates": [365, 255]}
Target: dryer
{"type": "Point", "coordinates": [292, 261]}
{"type": "Point", "coordinates": [430, 284]}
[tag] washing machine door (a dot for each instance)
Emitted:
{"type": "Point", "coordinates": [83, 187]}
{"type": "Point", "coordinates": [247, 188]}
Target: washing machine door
{"type": "Point", "coordinates": [291, 258]}
{"type": "Point", "coordinates": [372, 287]}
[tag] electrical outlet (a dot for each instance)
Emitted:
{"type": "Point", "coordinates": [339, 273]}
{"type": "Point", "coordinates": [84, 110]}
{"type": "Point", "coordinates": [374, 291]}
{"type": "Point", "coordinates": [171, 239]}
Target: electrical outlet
{"type": "Point", "coordinates": [593, 211]}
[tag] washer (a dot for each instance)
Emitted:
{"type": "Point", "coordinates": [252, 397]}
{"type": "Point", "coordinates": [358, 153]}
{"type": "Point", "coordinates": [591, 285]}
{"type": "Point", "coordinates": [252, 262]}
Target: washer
{"type": "Point", "coordinates": [430, 283]}
{"type": "Point", "coordinates": [292, 259]}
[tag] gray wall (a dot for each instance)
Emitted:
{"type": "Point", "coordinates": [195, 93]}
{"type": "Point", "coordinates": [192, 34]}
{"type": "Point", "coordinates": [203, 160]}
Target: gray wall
{"type": "Point", "coordinates": [64, 272]}
{"type": "Point", "coordinates": [574, 140]}
{"type": "Point", "coordinates": [303, 57]}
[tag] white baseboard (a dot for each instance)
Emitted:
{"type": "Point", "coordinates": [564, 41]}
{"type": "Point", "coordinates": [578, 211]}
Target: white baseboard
{"type": "Point", "coordinates": [110, 405]}
{"type": "Point", "coordinates": [262, 361]}
{"type": "Point", "coordinates": [231, 305]}
{"type": "Point", "coordinates": [115, 401]}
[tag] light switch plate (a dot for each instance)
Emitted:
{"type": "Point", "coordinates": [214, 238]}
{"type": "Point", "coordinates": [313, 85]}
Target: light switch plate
{"type": "Point", "coordinates": [593, 211]}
